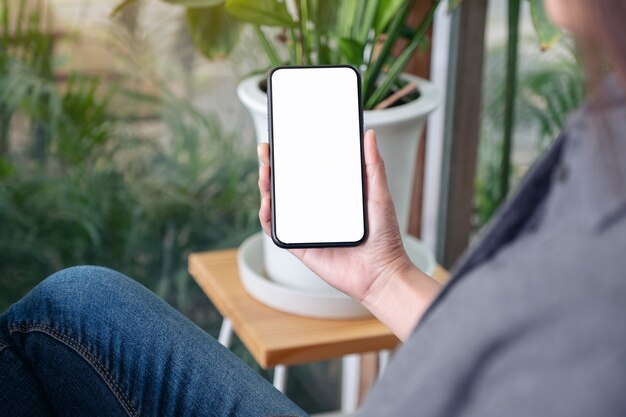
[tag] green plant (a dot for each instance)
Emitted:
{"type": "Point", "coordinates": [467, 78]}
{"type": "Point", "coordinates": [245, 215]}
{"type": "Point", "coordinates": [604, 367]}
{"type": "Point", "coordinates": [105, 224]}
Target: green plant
{"type": "Point", "coordinates": [25, 38]}
{"type": "Point", "coordinates": [548, 89]}
{"type": "Point", "coordinates": [494, 174]}
{"type": "Point", "coordinates": [548, 35]}
{"type": "Point", "coordinates": [487, 191]}
{"type": "Point", "coordinates": [549, 92]}
{"type": "Point", "coordinates": [315, 32]}
{"type": "Point", "coordinates": [140, 214]}
{"type": "Point", "coordinates": [103, 191]}
{"type": "Point", "coordinates": [200, 192]}
{"type": "Point", "coordinates": [97, 191]}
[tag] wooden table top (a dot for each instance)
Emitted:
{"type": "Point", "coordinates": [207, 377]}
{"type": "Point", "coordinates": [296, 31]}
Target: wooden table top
{"type": "Point", "coordinates": [277, 338]}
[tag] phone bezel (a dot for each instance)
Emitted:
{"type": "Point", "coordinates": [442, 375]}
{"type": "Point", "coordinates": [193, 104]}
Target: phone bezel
{"type": "Point", "coordinates": [275, 238]}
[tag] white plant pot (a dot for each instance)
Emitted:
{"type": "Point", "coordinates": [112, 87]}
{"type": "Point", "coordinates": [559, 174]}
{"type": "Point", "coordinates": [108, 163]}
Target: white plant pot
{"type": "Point", "coordinates": [398, 131]}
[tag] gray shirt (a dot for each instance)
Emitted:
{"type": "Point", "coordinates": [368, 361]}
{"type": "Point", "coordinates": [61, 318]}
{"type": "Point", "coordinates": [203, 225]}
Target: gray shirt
{"type": "Point", "coordinates": [533, 321]}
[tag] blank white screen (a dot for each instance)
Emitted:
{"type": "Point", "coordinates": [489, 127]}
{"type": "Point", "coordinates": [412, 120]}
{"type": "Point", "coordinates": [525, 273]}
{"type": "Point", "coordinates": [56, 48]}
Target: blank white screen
{"type": "Point", "coordinates": [316, 146]}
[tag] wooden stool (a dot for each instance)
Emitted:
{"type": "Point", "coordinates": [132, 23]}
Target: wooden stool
{"type": "Point", "coordinates": [276, 339]}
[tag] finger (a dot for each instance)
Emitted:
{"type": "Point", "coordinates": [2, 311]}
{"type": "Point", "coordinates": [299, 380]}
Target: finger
{"type": "Point", "coordinates": [264, 180]}
{"type": "Point", "coordinates": [374, 166]}
{"type": "Point", "coordinates": [372, 155]}
{"type": "Point", "coordinates": [263, 150]}
{"type": "Point", "coordinates": [265, 216]}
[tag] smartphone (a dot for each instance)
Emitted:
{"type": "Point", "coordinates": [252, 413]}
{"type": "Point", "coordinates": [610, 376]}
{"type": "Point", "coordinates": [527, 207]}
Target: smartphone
{"type": "Point", "coordinates": [315, 121]}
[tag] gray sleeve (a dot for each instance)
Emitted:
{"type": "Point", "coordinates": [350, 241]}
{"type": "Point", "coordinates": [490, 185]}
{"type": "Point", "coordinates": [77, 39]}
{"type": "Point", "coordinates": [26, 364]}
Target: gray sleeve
{"type": "Point", "coordinates": [571, 364]}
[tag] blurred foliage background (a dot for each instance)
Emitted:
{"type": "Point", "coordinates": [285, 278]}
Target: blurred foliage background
{"type": "Point", "coordinates": [112, 154]}
{"type": "Point", "coordinates": [121, 146]}
{"type": "Point", "coordinates": [83, 184]}
{"type": "Point", "coordinates": [549, 85]}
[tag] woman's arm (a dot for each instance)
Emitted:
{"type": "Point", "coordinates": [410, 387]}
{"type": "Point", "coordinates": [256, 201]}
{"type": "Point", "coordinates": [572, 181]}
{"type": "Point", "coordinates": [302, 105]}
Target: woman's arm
{"type": "Point", "coordinates": [377, 273]}
{"type": "Point", "coordinates": [400, 299]}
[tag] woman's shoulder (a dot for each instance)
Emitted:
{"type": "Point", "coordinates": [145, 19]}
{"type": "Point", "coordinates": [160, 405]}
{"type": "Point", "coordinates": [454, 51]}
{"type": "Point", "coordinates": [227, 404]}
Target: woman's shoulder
{"type": "Point", "coordinates": [605, 106]}
{"type": "Point", "coordinates": [595, 153]}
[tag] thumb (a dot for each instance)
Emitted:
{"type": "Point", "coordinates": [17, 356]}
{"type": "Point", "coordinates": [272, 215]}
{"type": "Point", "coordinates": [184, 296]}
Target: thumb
{"type": "Point", "coordinates": [377, 187]}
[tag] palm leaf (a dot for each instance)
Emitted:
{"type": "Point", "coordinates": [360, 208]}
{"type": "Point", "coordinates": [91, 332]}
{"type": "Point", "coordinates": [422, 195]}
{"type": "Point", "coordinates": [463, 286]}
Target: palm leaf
{"type": "Point", "coordinates": [261, 12]}
{"type": "Point", "coordinates": [213, 30]}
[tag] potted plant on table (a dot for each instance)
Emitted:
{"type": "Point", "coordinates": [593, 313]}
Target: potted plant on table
{"type": "Point", "coordinates": [371, 35]}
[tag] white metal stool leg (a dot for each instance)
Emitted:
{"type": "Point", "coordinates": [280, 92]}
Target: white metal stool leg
{"type": "Point", "coordinates": [350, 378]}
{"type": "Point", "coordinates": [226, 333]}
{"type": "Point", "coordinates": [225, 337]}
{"type": "Point", "coordinates": [383, 360]}
{"type": "Point", "coordinates": [280, 377]}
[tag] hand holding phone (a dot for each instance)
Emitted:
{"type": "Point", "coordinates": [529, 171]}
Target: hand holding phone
{"type": "Point", "coordinates": [299, 197]}
{"type": "Point", "coordinates": [352, 270]}
{"type": "Point", "coordinates": [317, 182]}
{"type": "Point", "coordinates": [377, 273]}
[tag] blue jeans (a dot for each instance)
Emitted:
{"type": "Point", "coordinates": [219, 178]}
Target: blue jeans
{"type": "Point", "coordinates": [89, 341]}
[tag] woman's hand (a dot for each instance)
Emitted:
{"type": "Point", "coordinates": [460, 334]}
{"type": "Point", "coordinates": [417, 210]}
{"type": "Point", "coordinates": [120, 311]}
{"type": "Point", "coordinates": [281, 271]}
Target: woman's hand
{"type": "Point", "coordinates": [352, 270]}
{"type": "Point", "coordinates": [373, 271]}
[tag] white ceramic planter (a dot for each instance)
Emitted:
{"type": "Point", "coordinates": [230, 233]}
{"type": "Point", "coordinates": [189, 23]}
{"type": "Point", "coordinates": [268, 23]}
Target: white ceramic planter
{"type": "Point", "coordinates": [398, 131]}
{"type": "Point", "coordinates": [304, 302]}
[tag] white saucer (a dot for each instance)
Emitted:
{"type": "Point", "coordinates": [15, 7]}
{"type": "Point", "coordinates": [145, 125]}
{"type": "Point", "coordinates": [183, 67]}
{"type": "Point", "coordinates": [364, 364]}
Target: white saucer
{"type": "Point", "coordinates": [326, 305]}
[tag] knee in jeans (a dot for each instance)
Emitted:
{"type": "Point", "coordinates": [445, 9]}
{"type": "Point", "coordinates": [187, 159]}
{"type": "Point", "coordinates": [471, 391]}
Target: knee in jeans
{"type": "Point", "coordinates": [90, 279]}
{"type": "Point", "coordinates": [79, 285]}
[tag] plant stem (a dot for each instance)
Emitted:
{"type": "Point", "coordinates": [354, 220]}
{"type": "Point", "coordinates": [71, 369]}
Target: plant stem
{"type": "Point", "coordinates": [367, 17]}
{"type": "Point", "coordinates": [399, 64]}
{"type": "Point", "coordinates": [315, 11]}
{"type": "Point", "coordinates": [344, 22]}
{"type": "Point", "coordinates": [290, 47]}
{"type": "Point", "coordinates": [271, 52]}
{"type": "Point", "coordinates": [510, 92]}
{"type": "Point", "coordinates": [394, 31]}
{"type": "Point", "coordinates": [297, 46]}
{"type": "Point", "coordinates": [358, 19]}
{"type": "Point", "coordinates": [304, 31]}
{"type": "Point", "coordinates": [407, 89]}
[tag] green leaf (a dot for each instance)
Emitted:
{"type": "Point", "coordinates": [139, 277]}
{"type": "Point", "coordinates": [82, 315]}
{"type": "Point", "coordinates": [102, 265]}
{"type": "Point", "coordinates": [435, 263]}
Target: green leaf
{"type": "Point", "coordinates": [386, 10]}
{"type": "Point", "coordinates": [195, 3]}
{"type": "Point", "coordinates": [371, 75]}
{"type": "Point", "coordinates": [376, 95]}
{"type": "Point", "coordinates": [352, 50]}
{"type": "Point", "coordinates": [122, 6]}
{"type": "Point", "coordinates": [510, 96]}
{"type": "Point", "coordinates": [261, 12]}
{"type": "Point", "coordinates": [547, 33]}
{"type": "Point", "coordinates": [327, 14]}
{"type": "Point", "coordinates": [270, 49]}
{"type": "Point", "coordinates": [345, 17]}
{"type": "Point", "coordinates": [369, 12]}
{"type": "Point", "coordinates": [213, 30]}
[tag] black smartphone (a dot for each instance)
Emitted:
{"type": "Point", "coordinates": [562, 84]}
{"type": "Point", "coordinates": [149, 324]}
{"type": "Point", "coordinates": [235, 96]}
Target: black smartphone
{"type": "Point", "coordinates": [315, 120]}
